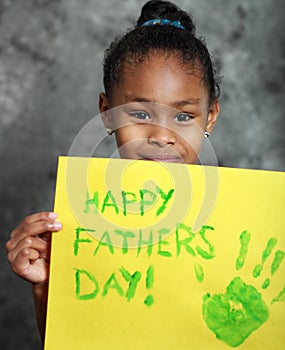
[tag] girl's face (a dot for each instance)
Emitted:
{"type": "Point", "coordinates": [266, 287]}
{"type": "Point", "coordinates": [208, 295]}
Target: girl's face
{"type": "Point", "coordinates": [159, 111]}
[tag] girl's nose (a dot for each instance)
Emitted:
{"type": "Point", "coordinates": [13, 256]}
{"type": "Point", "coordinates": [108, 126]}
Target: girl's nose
{"type": "Point", "coordinates": [161, 136]}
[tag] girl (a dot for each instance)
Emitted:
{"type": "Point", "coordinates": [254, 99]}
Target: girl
{"type": "Point", "coordinates": [160, 100]}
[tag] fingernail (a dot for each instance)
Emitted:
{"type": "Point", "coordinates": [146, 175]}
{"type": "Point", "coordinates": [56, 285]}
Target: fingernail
{"type": "Point", "coordinates": [57, 225]}
{"type": "Point", "coordinates": [52, 215]}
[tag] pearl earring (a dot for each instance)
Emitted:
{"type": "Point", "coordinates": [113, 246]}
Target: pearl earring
{"type": "Point", "coordinates": [206, 134]}
{"type": "Point", "coordinates": [109, 131]}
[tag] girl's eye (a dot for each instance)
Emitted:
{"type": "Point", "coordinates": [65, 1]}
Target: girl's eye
{"type": "Point", "coordinates": [140, 115]}
{"type": "Point", "coordinates": [183, 117]}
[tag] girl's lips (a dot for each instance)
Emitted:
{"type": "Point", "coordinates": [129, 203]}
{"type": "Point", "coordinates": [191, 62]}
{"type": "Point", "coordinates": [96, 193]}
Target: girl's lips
{"type": "Point", "coordinates": [163, 158]}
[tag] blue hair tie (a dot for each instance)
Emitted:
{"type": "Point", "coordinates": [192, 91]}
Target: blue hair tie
{"type": "Point", "coordinates": [162, 22]}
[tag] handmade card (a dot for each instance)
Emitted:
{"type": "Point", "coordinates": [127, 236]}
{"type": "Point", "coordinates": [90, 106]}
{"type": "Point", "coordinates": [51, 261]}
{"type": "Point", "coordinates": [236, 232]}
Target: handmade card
{"type": "Point", "coordinates": [166, 256]}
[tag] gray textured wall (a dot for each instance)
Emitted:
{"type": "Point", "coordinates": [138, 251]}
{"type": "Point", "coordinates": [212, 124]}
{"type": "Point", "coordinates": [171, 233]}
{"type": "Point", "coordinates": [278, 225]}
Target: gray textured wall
{"type": "Point", "coordinates": [50, 76]}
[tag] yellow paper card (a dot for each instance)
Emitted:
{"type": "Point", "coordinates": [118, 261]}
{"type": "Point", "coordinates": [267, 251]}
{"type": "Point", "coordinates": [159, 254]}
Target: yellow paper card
{"type": "Point", "coordinates": [166, 256]}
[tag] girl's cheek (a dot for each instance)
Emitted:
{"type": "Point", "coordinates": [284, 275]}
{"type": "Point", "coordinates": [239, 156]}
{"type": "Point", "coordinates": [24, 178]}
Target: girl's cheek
{"type": "Point", "coordinates": [192, 144]}
{"type": "Point", "coordinates": [127, 135]}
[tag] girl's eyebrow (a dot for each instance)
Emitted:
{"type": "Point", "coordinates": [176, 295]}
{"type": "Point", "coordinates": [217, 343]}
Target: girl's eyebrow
{"type": "Point", "coordinates": [134, 98]}
{"type": "Point", "coordinates": [188, 101]}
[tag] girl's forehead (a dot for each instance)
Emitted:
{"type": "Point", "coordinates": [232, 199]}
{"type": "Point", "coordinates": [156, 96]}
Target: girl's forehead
{"type": "Point", "coordinates": [163, 67]}
{"type": "Point", "coordinates": [161, 78]}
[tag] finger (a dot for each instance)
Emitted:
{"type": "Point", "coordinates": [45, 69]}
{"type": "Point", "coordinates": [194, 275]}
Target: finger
{"type": "Point", "coordinates": [34, 218]}
{"type": "Point", "coordinates": [45, 236]}
{"type": "Point", "coordinates": [36, 243]}
{"type": "Point", "coordinates": [41, 216]}
{"type": "Point", "coordinates": [22, 263]}
{"type": "Point", "coordinates": [34, 229]}
{"type": "Point", "coordinates": [40, 227]}
{"type": "Point", "coordinates": [30, 266]}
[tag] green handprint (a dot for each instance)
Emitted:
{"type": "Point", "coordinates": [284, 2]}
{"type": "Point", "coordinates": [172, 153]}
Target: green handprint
{"type": "Point", "coordinates": [234, 315]}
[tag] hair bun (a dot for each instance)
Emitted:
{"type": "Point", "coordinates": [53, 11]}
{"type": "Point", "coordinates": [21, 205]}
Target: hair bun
{"type": "Point", "coordinates": [166, 10]}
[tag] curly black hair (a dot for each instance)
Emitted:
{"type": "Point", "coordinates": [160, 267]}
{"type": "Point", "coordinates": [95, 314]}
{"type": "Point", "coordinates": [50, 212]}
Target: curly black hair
{"type": "Point", "coordinates": [139, 43]}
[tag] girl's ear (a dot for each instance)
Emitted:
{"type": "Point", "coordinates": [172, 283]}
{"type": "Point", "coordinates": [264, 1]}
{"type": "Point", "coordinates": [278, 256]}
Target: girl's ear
{"type": "Point", "coordinates": [212, 116]}
{"type": "Point", "coordinates": [104, 106]}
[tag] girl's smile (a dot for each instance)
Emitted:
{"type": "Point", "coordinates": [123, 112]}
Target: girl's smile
{"type": "Point", "coordinates": [159, 111]}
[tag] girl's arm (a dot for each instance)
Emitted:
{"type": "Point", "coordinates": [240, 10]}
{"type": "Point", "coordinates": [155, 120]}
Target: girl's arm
{"type": "Point", "coordinates": [28, 252]}
{"type": "Point", "coordinates": [40, 294]}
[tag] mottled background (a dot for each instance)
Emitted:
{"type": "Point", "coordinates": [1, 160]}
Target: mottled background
{"type": "Point", "coordinates": [50, 76]}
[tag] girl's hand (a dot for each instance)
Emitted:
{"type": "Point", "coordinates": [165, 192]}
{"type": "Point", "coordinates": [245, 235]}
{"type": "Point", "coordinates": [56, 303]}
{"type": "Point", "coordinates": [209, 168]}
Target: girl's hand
{"type": "Point", "coordinates": [28, 249]}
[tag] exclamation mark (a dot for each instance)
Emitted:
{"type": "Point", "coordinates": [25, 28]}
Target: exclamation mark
{"type": "Point", "coordinates": [149, 283]}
